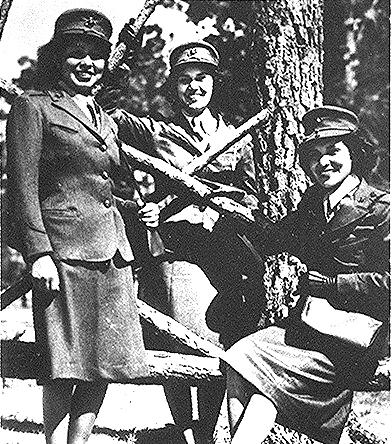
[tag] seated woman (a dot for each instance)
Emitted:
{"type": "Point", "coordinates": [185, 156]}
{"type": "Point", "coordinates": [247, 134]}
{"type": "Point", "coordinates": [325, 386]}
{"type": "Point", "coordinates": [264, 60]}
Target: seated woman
{"type": "Point", "coordinates": [292, 373]}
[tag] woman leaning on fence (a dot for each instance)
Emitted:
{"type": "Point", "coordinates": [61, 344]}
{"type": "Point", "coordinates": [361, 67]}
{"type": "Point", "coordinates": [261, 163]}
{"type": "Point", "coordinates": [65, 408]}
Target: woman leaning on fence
{"type": "Point", "coordinates": [202, 260]}
{"type": "Point", "coordinates": [63, 162]}
{"type": "Point", "coordinates": [301, 373]}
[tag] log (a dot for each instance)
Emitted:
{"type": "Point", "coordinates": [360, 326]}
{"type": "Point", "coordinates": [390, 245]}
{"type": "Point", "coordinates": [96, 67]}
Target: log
{"type": "Point", "coordinates": [193, 186]}
{"type": "Point", "coordinates": [15, 291]}
{"type": "Point", "coordinates": [4, 10]}
{"type": "Point", "coordinates": [9, 90]}
{"type": "Point", "coordinates": [221, 146]}
{"type": "Point", "coordinates": [176, 331]}
{"type": "Point", "coordinates": [21, 360]}
{"type": "Point", "coordinates": [161, 322]}
{"type": "Point", "coordinates": [120, 50]}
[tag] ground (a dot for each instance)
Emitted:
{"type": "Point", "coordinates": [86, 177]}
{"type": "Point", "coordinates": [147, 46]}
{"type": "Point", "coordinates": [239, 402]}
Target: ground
{"type": "Point", "coordinates": [133, 414]}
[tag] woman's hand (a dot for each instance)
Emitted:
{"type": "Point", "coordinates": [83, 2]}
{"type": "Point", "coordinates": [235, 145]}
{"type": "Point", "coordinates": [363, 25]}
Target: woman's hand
{"type": "Point", "coordinates": [45, 271]}
{"type": "Point", "coordinates": [210, 217]}
{"type": "Point", "coordinates": [149, 214]}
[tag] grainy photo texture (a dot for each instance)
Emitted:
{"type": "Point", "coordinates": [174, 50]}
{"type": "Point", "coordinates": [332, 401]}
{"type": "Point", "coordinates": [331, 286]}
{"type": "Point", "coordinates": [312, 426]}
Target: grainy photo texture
{"type": "Point", "coordinates": [195, 221]}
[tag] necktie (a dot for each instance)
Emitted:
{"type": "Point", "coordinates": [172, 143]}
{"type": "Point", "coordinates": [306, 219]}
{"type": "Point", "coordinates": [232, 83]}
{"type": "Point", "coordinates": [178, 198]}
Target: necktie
{"type": "Point", "coordinates": [329, 211]}
{"type": "Point", "coordinates": [197, 128]}
{"type": "Point", "coordinates": [93, 113]}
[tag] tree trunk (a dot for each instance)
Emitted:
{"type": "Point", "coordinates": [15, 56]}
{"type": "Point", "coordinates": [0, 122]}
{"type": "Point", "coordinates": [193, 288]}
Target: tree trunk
{"type": "Point", "coordinates": [287, 55]}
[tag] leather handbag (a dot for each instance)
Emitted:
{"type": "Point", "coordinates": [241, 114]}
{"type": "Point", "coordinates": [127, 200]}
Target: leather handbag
{"type": "Point", "coordinates": [357, 329]}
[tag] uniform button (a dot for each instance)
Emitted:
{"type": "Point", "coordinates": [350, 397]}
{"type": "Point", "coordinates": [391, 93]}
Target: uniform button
{"type": "Point", "coordinates": [107, 203]}
{"type": "Point", "coordinates": [105, 174]}
{"type": "Point", "coordinates": [103, 147]}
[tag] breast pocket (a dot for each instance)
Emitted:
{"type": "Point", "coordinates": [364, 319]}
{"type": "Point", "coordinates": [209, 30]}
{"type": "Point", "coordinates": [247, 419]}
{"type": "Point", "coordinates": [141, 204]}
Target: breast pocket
{"type": "Point", "coordinates": [60, 213]}
{"type": "Point", "coordinates": [61, 129]}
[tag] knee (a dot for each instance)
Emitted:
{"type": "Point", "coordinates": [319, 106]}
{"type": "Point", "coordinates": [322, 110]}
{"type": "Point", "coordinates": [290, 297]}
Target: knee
{"type": "Point", "coordinates": [238, 387]}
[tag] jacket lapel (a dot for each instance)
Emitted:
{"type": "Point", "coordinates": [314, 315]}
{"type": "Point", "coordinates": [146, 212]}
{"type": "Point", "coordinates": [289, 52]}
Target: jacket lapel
{"type": "Point", "coordinates": [352, 209]}
{"type": "Point", "coordinates": [62, 101]}
{"type": "Point", "coordinates": [183, 127]}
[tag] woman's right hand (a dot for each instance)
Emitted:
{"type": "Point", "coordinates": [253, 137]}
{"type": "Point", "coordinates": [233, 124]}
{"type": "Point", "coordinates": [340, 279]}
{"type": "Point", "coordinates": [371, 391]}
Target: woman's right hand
{"type": "Point", "coordinates": [45, 271]}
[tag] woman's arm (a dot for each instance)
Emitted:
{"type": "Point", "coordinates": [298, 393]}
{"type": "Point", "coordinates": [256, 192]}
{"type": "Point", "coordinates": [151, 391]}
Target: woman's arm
{"type": "Point", "coordinates": [24, 148]}
{"type": "Point", "coordinates": [247, 172]}
{"type": "Point", "coordinates": [134, 131]}
{"type": "Point", "coordinates": [369, 291]}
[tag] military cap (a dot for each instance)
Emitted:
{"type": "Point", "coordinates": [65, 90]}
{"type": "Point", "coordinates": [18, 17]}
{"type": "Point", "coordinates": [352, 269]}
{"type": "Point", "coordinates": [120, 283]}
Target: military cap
{"type": "Point", "coordinates": [194, 52]}
{"type": "Point", "coordinates": [328, 122]}
{"type": "Point", "coordinates": [83, 22]}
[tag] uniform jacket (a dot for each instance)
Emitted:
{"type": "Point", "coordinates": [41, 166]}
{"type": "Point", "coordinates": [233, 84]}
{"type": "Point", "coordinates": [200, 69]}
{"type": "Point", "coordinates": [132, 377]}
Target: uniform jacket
{"type": "Point", "coordinates": [176, 143]}
{"type": "Point", "coordinates": [353, 245]}
{"type": "Point", "coordinates": [61, 173]}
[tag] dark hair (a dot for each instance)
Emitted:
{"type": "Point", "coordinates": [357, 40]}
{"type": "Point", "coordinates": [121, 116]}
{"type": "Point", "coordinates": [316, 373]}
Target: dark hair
{"type": "Point", "coordinates": [50, 58]}
{"type": "Point", "coordinates": [169, 89]}
{"type": "Point", "coordinates": [361, 152]}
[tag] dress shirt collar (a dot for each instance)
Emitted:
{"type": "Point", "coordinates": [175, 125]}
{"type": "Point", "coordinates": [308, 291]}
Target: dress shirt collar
{"type": "Point", "coordinates": [332, 200]}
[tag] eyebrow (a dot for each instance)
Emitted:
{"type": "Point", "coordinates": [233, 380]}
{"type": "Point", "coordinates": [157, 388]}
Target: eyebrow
{"type": "Point", "coordinates": [189, 75]}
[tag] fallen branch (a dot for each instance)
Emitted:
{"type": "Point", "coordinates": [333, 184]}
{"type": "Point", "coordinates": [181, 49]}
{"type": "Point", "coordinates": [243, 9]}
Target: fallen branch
{"type": "Point", "coordinates": [163, 323]}
{"type": "Point", "coordinates": [176, 331]}
{"type": "Point", "coordinates": [133, 28]}
{"type": "Point", "coordinates": [221, 146]}
{"type": "Point", "coordinates": [4, 10]}
{"type": "Point", "coordinates": [199, 190]}
{"type": "Point", "coordinates": [21, 360]}
{"type": "Point", "coordinates": [9, 90]}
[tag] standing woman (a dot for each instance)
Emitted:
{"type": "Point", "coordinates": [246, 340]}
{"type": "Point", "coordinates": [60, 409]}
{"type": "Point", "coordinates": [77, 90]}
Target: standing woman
{"type": "Point", "coordinates": [301, 373]}
{"type": "Point", "coordinates": [201, 263]}
{"type": "Point", "coordinates": [63, 161]}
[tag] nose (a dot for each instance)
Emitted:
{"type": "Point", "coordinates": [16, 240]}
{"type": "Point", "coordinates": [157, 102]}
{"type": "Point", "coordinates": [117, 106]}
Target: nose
{"type": "Point", "coordinates": [324, 160]}
{"type": "Point", "coordinates": [193, 84]}
{"type": "Point", "coordinates": [87, 60]}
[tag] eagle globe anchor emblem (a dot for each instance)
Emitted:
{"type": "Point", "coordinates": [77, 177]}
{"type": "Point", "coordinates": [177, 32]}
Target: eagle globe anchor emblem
{"type": "Point", "coordinates": [90, 22]}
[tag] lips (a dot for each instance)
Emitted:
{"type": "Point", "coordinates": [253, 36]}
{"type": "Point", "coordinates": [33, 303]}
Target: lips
{"type": "Point", "coordinates": [326, 172]}
{"type": "Point", "coordinates": [84, 75]}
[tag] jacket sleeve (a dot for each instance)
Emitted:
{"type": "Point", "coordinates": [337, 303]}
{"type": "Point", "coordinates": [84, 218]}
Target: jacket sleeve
{"type": "Point", "coordinates": [277, 237]}
{"type": "Point", "coordinates": [369, 292]}
{"type": "Point", "coordinates": [135, 131]}
{"type": "Point", "coordinates": [247, 174]}
{"type": "Point", "coordinates": [24, 149]}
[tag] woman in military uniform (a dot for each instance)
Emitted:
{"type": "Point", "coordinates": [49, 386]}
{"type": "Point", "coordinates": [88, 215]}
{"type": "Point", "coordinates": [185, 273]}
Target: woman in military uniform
{"type": "Point", "coordinates": [63, 161]}
{"type": "Point", "coordinates": [298, 373]}
{"type": "Point", "coordinates": [200, 263]}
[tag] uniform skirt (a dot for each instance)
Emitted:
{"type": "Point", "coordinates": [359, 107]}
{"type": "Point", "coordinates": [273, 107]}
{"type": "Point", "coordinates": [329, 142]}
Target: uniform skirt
{"type": "Point", "coordinates": [301, 382]}
{"type": "Point", "coordinates": [197, 272]}
{"type": "Point", "coordinates": [90, 330]}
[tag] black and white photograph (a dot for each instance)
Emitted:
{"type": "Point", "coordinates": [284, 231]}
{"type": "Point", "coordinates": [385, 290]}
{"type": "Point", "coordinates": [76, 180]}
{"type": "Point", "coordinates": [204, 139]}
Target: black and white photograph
{"type": "Point", "coordinates": [195, 223]}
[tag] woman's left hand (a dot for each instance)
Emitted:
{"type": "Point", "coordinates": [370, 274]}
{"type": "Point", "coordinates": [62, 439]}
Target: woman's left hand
{"type": "Point", "coordinates": [149, 214]}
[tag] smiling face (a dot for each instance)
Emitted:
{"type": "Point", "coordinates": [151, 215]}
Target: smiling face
{"type": "Point", "coordinates": [83, 64]}
{"type": "Point", "coordinates": [330, 163]}
{"type": "Point", "coordinates": [194, 89]}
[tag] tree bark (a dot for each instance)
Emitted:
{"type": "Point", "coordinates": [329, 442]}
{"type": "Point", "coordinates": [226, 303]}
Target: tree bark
{"type": "Point", "coordinates": [287, 57]}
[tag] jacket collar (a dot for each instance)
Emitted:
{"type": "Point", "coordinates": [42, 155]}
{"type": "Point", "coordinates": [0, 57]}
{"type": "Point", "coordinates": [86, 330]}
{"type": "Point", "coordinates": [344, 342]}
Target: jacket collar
{"type": "Point", "coordinates": [358, 205]}
{"type": "Point", "coordinates": [62, 100]}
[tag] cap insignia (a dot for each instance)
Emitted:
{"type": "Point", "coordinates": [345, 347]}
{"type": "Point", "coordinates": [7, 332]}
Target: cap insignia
{"type": "Point", "coordinates": [90, 22]}
{"type": "Point", "coordinates": [190, 52]}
